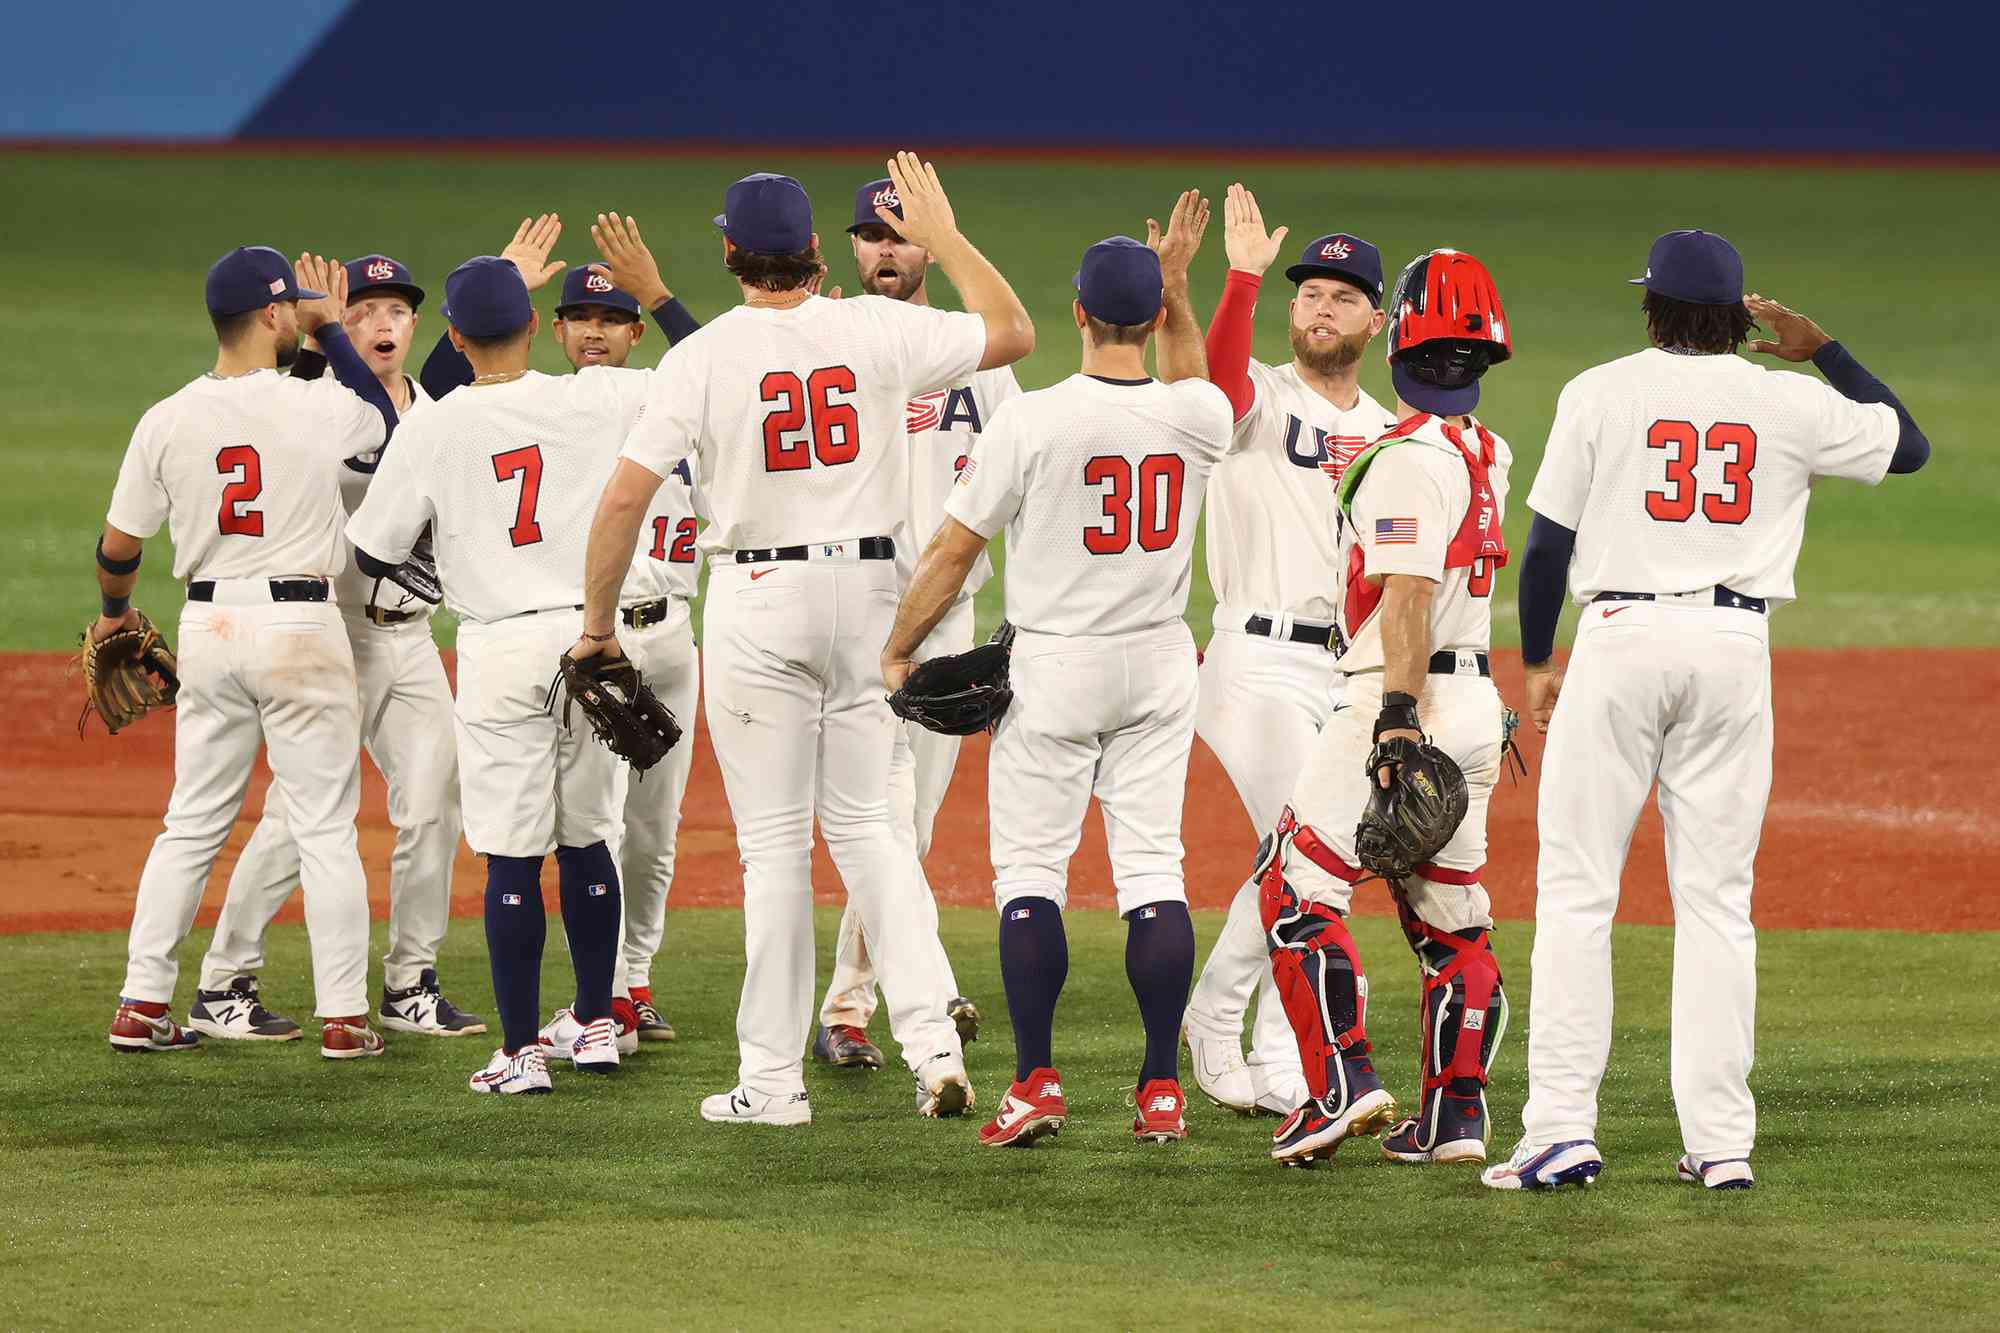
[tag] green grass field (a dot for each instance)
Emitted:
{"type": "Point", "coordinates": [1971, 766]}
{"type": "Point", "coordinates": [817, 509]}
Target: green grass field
{"type": "Point", "coordinates": [100, 312]}
{"type": "Point", "coordinates": [265, 1187]}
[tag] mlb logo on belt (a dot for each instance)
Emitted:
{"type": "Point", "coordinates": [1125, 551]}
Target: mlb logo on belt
{"type": "Point", "coordinates": [1337, 248]}
{"type": "Point", "coordinates": [836, 549]}
{"type": "Point", "coordinates": [380, 270]}
{"type": "Point", "coordinates": [1395, 532]}
{"type": "Point", "coordinates": [597, 282]}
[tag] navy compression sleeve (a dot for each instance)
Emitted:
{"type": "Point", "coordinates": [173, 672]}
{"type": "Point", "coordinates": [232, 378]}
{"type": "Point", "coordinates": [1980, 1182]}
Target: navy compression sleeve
{"type": "Point", "coordinates": [354, 373]}
{"type": "Point", "coordinates": [445, 368]}
{"type": "Point", "coordinates": [1855, 383]}
{"type": "Point", "coordinates": [674, 319]}
{"type": "Point", "coordinates": [1544, 571]}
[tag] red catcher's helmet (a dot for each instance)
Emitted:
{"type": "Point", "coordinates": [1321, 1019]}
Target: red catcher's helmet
{"type": "Point", "coordinates": [1446, 327]}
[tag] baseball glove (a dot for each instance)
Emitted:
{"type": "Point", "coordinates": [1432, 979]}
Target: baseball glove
{"type": "Point", "coordinates": [127, 674]}
{"type": "Point", "coordinates": [962, 693]}
{"type": "Point", "coordinates": [628, 718]}
{"type": "Point", "coordinates": [1409, 822]}
{"type": "Point", "coordinates": [418, 576]}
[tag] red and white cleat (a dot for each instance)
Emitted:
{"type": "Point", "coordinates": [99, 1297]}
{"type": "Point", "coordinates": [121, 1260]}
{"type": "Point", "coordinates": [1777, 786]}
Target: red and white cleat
{"type": "Point", "coordinates": [349, 1038]}
{"type": "Point", "coordinates": [133, 1030]}
{"type": "Point", "coordinates": [1033, 1108]}
{"type": "Point", "coordinates": [1162, 1110]}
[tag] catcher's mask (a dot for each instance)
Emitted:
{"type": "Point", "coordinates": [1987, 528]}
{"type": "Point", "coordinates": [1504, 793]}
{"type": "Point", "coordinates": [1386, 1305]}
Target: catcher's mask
{"type": "Point", "coordinates": [1446, 327]}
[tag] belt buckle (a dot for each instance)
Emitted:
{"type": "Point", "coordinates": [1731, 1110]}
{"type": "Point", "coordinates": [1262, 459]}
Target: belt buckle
{"type": "Point", "coordinates": [377, 614]}
{"type": "Point", "coordinates": [650, 614]}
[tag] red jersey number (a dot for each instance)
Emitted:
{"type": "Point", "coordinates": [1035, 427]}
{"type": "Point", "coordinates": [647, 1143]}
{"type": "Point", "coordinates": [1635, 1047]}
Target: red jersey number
{"type": "Point", "coordinates": [1676, 502]}
{"type": "Point", "coordinates": [1479, 582]}
{"type": "Point", "coordinates": [1157, 516]}
{"type": "Point", "coordinates": [527, 465]}
{"type": "Point", "coordinates": [240, 463]}
{"type": "Point", "coordinates": [826, 428]}
{"type": "Point", "coordinates": [682, 550]}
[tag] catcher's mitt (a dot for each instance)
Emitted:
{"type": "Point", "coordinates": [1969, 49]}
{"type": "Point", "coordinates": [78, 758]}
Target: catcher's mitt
{"type": "Point", "coordinates": [1410, 821]}
{"type": "Point", "coordinates": [962, 693]}
{"type": "Point", "coordinates": [628, 718]}
{"type": "Point", "coordinates": [127, 674]}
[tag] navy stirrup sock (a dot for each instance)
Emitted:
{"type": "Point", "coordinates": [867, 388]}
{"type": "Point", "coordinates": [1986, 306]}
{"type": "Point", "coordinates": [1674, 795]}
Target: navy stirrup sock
{"type": "Point", "coordinates": [1159, 962]}
{"type": "Point", "coordinates": [589, 882]}
{"type": "Point", "coordinates": [515, 932]}
{"type": "Point", "coordinates": [1034, 963]}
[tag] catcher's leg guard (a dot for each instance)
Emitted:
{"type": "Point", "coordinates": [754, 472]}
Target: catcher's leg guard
{"type": "Point", "coordinates": [1462, 1016]}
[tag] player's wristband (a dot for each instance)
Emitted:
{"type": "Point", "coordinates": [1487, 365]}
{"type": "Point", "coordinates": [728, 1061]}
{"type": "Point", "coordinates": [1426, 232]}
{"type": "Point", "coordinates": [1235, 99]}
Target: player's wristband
{"type": "Point", "coordinates": [114, 607]}
{"type": "Point", "coordinates": [1399, 713]}
{"type": "Point", "coordinates": [110, 566]}
{"type": "Point", "coordinates": [600, 638]}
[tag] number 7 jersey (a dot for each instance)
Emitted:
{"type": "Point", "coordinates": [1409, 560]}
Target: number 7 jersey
{"type": "Point", "coordinates": [1681, 472]}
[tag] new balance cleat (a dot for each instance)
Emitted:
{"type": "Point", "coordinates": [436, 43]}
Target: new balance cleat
{"type": "Point", "coordinates": [965, 1015]}
{"type": "Point", "coordinates": [1032, 1109]}
{"type": "Point", "coordinates": [134, 1031]}
{"type": "Point", "coordinates": [1723, 1173]}
{"type": "Point", "coordinates": [740, 1106]}
{"type": "Point", "coordinates": [236, 1013]}
{"type": "Point", "coordinates": [1536, 1166]}
{"type": "Point", "coordinates": [845, 1047]}
{"type": "Point", "coordinates": [522, 1072]}
{"type": "Point", "coordinates": [1162, 1109]}
{"type": "Point", "coordinates": [349, 1039]}
{"type": "Point", "coordinates": [1317, 1128]}
{"type": "Point", "coordinates": [942, 1087]}
{"type": "Point", "coordinates": [422, 1009]}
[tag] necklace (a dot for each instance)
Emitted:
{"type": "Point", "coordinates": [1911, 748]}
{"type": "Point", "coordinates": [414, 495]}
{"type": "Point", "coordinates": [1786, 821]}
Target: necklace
{"type": "Point", "coordinates": [501, 377]}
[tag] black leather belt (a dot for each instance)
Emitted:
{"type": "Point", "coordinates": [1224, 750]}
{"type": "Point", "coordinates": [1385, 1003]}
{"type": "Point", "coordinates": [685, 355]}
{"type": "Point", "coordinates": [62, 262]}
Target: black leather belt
{"type": "Point", "coordinates": [1724, 597]}
{"type": "Point", "coordinates": [646, 613]}
{"type": "Point", "coordinates": [383, 617]}
{"type": "Point", "coordinates": [1319, 636]}
{"type": "Point", "coordinates": [869, 548]}
{"type": "Point", "coordinates": [282, 590]}
{"type": "Point", "coordinates": [1445, 663]}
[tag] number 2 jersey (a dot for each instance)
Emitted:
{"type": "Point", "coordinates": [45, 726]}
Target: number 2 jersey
{"type": "Point", "coordinates": [1426, 499]}
{"type": "Point", "coordinates": [1098, 484]}
{"type": "Point", "coordinates": [1680, 472]}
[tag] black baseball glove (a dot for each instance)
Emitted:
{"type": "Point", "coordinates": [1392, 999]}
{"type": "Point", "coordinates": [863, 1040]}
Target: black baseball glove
{"type": "Point", "coordinates": [962, 693]}
{"type": "Point", "coordinates": [418, 576]}
{"type": "Point", "coordinates": [628, 718]}
{"type": "Point", "coordinates": [1409, 821]}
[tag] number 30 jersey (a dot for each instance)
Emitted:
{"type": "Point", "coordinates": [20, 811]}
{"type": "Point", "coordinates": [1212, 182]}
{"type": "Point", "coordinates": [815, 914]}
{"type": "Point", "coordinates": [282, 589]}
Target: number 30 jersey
{"type": "Point", "coordinates": [1098, 484]}
{"type": "Point", "coordinates": [510, 476]}
{"type": "Point", "coordinates": [1679, 472]}
{"type": "Point", "coordinates": [796, 417]}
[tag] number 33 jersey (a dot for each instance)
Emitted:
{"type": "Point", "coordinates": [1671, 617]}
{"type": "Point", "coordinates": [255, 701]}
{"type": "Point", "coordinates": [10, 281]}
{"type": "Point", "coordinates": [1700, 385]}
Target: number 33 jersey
{"type": "Point", "coordinates": [510, 476]}
{"type": "Point", "coordinates": [1679, 472]}
{"type": "Point", "coordinates": [1098, 484]}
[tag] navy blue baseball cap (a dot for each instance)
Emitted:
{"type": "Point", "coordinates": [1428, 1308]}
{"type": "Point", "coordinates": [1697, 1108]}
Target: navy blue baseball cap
{"type": "Point", "coordinates": [1339, 255]}
{"type": "Point", "coordinates": [767, 214]}
{"type": "Point", "coordinates": [1695, 266]}
{"type": "Point", "coordinates": [1119, 281]}
{"type": "Point", "coordinates": [251, 277]}
{"type": "Point", "coordinates": [586, 286]}
{"type": "Point", "coordinates": [486, 298]}
{"type": "Point", "coordinates": [873, 195]}
{"type": "Point", "coordinates": [371, 272]}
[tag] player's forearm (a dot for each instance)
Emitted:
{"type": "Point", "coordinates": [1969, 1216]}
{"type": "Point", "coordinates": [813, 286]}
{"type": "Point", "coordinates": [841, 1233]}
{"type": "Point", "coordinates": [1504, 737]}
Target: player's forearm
{"type": "Point", "coordinates": [939, 578]}
{"type": "Point", "coordinates": [1406, 633]}
{"type": "Point", "coordinates": [117, 569]}
{"type": "Point", "coordinates": [354, 374]}
{"type": "Point", "coordinates": [1229, 338]}
{"type": "Point", "coordinates": [673, 318]}
{"type": "Point", "coordinates": [1181, 354]}
{"type": "Point", "coordinates": [1544, 573]}
{"type": "Point", "coordinates": [445, 368]}
{"type": "Point", "coordinates": [614, 532]}
{"type": "Point", "coordinates": [1010, 334]}
{"type": "Point", "coordinates": [1856, 384]}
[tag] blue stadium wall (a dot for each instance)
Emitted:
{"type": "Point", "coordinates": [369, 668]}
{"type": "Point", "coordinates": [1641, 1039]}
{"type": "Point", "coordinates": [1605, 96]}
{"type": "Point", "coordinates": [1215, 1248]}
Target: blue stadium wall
{"type": "Point", "coordinates": [1840, 76]}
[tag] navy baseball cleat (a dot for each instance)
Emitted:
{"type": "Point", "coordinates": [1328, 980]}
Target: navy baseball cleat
{"type": "Point", "coordinates": [1537, 1166]}
{"type": "Point", "coordinates": [1319, 1126]}
{"type": "Point", "coordinates": [422, 1009]}
{"type": "Point", "coordinates": [237, 1013]}
{"type": "Point", "coordinates": [1723, 1173]}
{"type": "Point", "coordinates": [846, 1047]}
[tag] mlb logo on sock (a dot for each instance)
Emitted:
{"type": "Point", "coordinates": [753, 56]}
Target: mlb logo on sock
{"type": "Point", "coordinates": [1148, 913]}
{"type": "Point", "coordinates": [598, 890]}
{"type": "Point", "coordinates": [510, 900]}
{"type": "Point", "coordinates": [1018, 914]}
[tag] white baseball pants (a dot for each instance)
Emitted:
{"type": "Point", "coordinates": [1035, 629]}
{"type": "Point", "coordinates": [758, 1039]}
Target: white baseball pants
{"type": "Point", "coordinates": [279, 675]}
{"type": "Point", "coordinates": [802, 729]}
{"type": "Point", "coordinates": [1680, 695]}
{"type": "Point", "coordinates": [665, 655]}
{"type": "Point", "coordinates": [406, 729]}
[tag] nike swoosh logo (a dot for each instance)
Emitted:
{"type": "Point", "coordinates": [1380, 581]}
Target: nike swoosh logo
{"type": "Point", "coordinates": [756, 574]}
{"type": "Point", "coordinates": [1614, 610]}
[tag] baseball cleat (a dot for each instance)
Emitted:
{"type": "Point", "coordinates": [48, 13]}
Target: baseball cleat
{"type": "Point", "coordinates": [349, 1038]}
{"type": "Point", "coordinates": [591, 1048]}
{"type": "Point", "coordinates": [1221, 1073]}
{"type": "Point", "coordinates": [965, 1014]}
{"type": "Point", "coordinates": [846, 1047]}
{"type": "Point", "coordinates": [1451, 1129]}
{"type": "Point", "coordinates": [652, 1027]}
{"type": "Point", "coordinates": [740, 1106]}
{"type": "Point", "coordinates": [422, 1009]}
{"type": "Point", "coordinates": [134, 1031]}
{"type": "Point", "coordinates": [1724, 1173]}
{"type": "Point", "coordinates": [1162, 1109]}
{"type": "Point", "coordinates": [1032, 1109]}
{"type": "Point", "coordinates": [942, 1087]}
{"type": "Point", "coordinates": [522, 1072]}
{"type": "Point", "coordinates": [1317, 1128]}
{"type": "Point", "coordinates": [625, 1017]}
{"type": "Point", "coordinates": [1537, 1166]}
{"type": "Point", "coordinates": [236, 1013]}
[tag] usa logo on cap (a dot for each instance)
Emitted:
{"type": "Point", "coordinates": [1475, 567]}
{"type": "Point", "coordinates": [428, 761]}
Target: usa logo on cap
{"type": "Point", "coordinates": [887, 198]}
{"type": "Point", "coordinates": [1337, 248]}
{"type": "Point", "coordinates": [380, 270]}
{"type": "Point", "coordinates": [597, 282]}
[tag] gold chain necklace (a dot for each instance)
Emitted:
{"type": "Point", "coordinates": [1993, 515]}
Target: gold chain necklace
{"type": "Point", "coordinates": [502, 378]}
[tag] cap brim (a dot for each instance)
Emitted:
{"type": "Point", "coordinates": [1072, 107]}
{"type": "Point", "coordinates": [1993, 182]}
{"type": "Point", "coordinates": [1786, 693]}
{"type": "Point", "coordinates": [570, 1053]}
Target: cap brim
{"type": "Point", "coordinates": [1298, 273]}
{"type": "Point", "coordinates": [1635, 282]}
{"type": "Point", "coordinates": [408, 291]}
{"type": "Point", "coordinates": [1429, 397]}
{"type": "Point", "coordinates": [301, 295]}
{"type": "Point", "coordinates": [721, 220]}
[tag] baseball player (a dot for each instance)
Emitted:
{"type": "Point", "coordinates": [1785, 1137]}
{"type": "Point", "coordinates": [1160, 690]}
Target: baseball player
{"type": "Point", "coordinates": [243, 464]}
{"type": "Point", "coordinates": [944, 425]}
{"type": "Point", "coordinates": [1673, 496]}
{"type": "Point", "coordinates": [801, 592]}
{"type": "Point", "coordinates": [1268, 679]}
{"type": "Point", "coordinates": [405, 725]}
{"type": "Point", "coordinates": [1098, 481]}
{"type": "Point", "coordinates": [1420, 514]}
{"type": "Point", "coordinates": [505, 471]}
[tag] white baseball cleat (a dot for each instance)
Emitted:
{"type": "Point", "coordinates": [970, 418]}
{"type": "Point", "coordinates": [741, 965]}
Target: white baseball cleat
{"type": "Point", "coordinates": [1541, 1166]}
{"type": "Point", "coordinates": [1723, 1173]}
{"type": "Point", "coordinates": [740, 1106]}
{"type": "Point", "coordinates": [523, 1071]}
{"type": "Point", "coordinates": [591, 1048]}
{"type": "Point", "coordinates": [1221, 1072]}
{"type": "Point", "coordinates": [942, 1087]}
{"type": "Point", "coordinates": [1280, 1089]}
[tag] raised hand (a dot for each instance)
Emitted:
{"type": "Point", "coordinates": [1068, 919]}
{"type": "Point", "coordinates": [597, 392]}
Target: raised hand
{"type": "Point", "coordinates": [627, 261]}
{"type": "Point", "coordinates": [316, 274]}
{"type": "Point", "coordinates": [1243, 237]}
{"type": "Point", "coordinates": [1797, 337]}
{"type": "Point", "coordinates": [1183, 236]}
{"type": "Point", "coordinates": [927, 217]}
{"type": "Point", "coordinates": [529, 249]}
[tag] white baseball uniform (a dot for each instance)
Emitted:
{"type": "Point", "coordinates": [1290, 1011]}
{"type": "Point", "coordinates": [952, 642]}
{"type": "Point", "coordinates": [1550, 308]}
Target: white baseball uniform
{"type": "Point", "coordinates": [406, 729]}
{"type": "Point", "coordinates": [1415, 505]}
{"type": "Point", "coordinates": [245, 473]}
{"type": "Point", "coordinates": [1687, 478]}
{"type": "Point", "coordinates": [508, 475]}
{"type": "Point", "coordinates": [1099, 485]}
{"type": "Point", "coordinates": [944, 427]}
{"type": "Point", "coordinates": [796, 419]}
{"type": "Point", "coordinates": [1273, 560]}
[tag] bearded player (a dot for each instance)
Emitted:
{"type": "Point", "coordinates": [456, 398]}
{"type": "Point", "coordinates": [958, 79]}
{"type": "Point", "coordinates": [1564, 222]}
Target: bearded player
{"type": "Point", "coordinates": [1420, 513]}
{"type": "Point", "coordinates": [944, 425]}
{"type": "Point", "coordinates": [1269, 679]}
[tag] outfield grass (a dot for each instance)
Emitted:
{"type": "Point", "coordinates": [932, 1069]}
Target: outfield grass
{"type": "Point", "coordinates": [261, 1187]}
{"type": "Point", "coordinates": [102, 263]}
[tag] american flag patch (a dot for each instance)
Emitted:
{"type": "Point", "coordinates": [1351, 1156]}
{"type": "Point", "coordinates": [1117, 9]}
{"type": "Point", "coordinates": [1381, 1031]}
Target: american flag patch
{"type": "Point", "coordinates": [1395, 532]}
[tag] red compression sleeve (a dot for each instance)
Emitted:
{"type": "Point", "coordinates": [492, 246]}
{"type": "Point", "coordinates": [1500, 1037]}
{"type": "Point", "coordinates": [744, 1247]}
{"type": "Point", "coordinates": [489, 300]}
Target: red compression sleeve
{"type": "Point", "coordinates": [1229, 340]}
